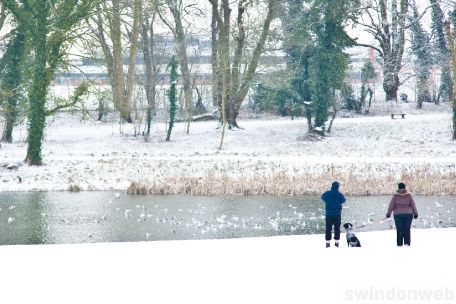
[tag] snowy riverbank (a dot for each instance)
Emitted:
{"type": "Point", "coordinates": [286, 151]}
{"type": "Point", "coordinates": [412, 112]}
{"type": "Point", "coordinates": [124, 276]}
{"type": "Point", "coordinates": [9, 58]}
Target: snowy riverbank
{"type": "Point", "coordinates": [367, 154]}
{"type": "Point", "coordinates": [293, 269]}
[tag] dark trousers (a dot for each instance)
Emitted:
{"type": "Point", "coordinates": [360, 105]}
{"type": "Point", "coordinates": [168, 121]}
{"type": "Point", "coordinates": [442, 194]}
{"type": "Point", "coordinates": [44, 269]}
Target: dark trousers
{"type": "Point", "coordinates": [330, 222]}
{"type": "Point", "coordinates": [403, 224]}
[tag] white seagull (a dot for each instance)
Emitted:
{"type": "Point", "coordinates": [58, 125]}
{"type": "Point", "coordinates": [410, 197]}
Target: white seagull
{"type": "Point", "coordinates": [438, 205]}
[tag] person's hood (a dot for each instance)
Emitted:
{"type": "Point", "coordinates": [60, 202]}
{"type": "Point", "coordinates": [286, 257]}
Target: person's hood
{"type": "Point", "coordinates": [402, 192]}
{"type": "Point", "coordinates": [335, 186]}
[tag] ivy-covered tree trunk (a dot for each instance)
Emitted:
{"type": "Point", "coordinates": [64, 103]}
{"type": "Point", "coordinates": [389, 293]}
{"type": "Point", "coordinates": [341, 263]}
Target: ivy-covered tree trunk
{"type": "Point", "coordinates": [423, 95]}
{"type": "Point", "coordinates": [172, 96]}
{"type": "Point", "coordinates": [11, 81]}
{"type": "Point", "coordinates": [443, 53]}
{"type": "Point", "coordinates": [452, 48]}
{"type": "Point", "coordinates": [181, 40]}
{"type": "Point", "coordinates": [446, 84]}
{"type": "Point", "coordinates": [40, 84]}
{"type": "Point", "coordinates": [322, 89]}
{"type": "Point", "coordinates": [48, 24]}
{"type": "Point", "coordinates": [390, 83]}
{"type": "Point", "coordinates": [329, 63]}
{"type": "Point", "coordinates": [424, 59]}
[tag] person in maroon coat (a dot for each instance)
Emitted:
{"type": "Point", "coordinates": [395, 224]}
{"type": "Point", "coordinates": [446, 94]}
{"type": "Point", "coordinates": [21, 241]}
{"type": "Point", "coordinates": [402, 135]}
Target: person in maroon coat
{"type": "Point", "coordinates": [404, 209]}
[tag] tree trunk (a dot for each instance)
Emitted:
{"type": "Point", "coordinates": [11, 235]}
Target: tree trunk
{"type": "Point", "coordinates": [390, 86]}
{"type": "Point", "coordinates": [181, 40]}
{"type": "Point", "coordinates": [38, 91]}
{"type": "Point", "coordinates": [172, 96]}
{"type": "Point", "coordinates": [231, 116]}
{"type": "Point", "coordinates": [12, 81]}
{"type": "Point", "coordinates": [224, 26]}
{"type": "Point", "coordinates": [371, 94]}
{"type": "Point", "coordinates": [3, 15]}
{"type": "Point", "coordinates": [216, 87]}
{"type": "Point", "coordinates": [118, 81]}
{"type": "Point", "coordinates": [134, 43]}
{"type": "Point", "coordinates": [149, 65]}
{"type": "Point", "coordinates": [308, 114]}
{"type": "Point", "coordinates": [453, 65]}
{"type": "Point", "coordinates": [443, 58]}
{"type": "Point", "coordinates": [424, 94]}
{"type": "Point", "coordinates": [446, 83]}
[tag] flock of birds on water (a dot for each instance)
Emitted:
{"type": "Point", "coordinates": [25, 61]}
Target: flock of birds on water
{"type": "Point", "coordinates": [176, 225]}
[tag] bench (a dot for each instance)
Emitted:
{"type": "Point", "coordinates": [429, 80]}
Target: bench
{"type": "Point", "coordinates": [396, 114]}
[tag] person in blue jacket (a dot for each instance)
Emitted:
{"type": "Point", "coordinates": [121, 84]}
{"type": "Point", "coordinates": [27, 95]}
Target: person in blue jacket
{"type": "Point", "coordinates": [333, 204]}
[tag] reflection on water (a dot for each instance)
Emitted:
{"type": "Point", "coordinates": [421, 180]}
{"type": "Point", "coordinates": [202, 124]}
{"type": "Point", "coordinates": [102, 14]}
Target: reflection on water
{"type": "Point", "coordinates": [61, 217]}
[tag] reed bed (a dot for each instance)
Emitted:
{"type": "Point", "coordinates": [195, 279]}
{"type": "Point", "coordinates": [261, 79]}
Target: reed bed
{"type": "Point", "coordinates": [283, 183]}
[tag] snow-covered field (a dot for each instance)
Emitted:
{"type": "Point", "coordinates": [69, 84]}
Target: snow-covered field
{"type": "Point", "coordinates": [367, 154]}
{"type": "Point", "coordinates": [292, 269]}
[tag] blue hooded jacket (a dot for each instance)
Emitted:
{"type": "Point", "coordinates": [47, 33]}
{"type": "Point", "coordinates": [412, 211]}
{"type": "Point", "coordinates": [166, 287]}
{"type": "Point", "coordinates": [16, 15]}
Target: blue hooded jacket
{"type": "Point", "coordinates": [333, 200]}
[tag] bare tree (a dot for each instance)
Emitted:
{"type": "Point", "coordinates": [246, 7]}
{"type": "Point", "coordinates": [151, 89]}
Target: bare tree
{"type": "Point", "coordinates": [106, 25]}
{"type": "Point", "coordinates": [385, 21]}
{"type": "Point", "coordinates": [236, 70]}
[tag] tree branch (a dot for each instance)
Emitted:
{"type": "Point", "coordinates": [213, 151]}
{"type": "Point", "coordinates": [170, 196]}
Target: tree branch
{"type": "Point", "coordinates": [79, 92]}
{"type": "Point", "coordinates": [379, 51]}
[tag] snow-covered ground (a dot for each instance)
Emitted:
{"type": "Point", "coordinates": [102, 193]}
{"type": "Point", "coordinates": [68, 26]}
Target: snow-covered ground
{"type": "Point", "coordinates": [367, 154]}
{"type": "Point", "coordinates": [292, 269]}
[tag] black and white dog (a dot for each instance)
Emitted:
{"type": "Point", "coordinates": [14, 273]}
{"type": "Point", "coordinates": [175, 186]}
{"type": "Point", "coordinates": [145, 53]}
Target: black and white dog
{"type": "Point", "coordinates": [352, 240]}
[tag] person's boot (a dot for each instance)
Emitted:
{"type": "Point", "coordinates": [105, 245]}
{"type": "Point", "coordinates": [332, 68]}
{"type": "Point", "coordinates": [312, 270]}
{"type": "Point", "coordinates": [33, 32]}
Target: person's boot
{"type": "Point", "coordinates": [337, 243]}
{"type": "Point", "coordinates": [328, 244]}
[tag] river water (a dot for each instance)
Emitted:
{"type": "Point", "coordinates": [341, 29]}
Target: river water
{"type": "Point", "coordinates": [63, 217]}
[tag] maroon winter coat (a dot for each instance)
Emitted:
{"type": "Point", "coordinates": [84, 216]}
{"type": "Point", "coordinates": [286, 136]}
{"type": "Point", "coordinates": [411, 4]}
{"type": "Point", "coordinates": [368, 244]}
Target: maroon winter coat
{"type": "Point", "coordinates": [402, 203]}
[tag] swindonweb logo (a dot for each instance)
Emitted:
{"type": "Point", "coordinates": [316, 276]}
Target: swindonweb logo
{"type": "Point", "coordinates": [400, 294]}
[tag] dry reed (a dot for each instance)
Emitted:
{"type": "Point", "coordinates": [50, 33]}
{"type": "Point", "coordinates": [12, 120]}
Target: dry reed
{"type": "Point", "coordinates": [280, 184]}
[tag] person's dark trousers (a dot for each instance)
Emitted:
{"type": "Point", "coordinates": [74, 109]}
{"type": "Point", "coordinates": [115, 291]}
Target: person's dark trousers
{"type": "Point", "coordinates": [332, 221]}
{"type": "Point", "coordinates": [403, 224]}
